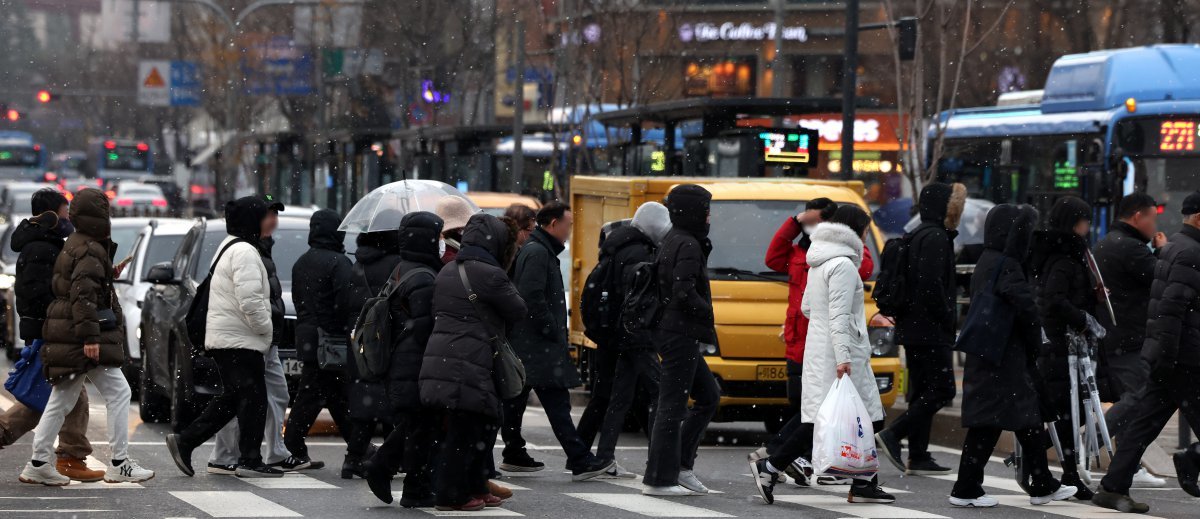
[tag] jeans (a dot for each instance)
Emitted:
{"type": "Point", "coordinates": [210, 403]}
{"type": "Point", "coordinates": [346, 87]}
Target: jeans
{"type": "Point", "coordinates": [977, 448]}
{"type": "Point", "coordinates": [557, 403]}
{"type": "Point", "coordinates": [795, 393]}
{"type": "Point", "coordinates": [461, 472]}
{"type": "Point", "coordinates": [1163, 395]}
{"type": "Point", "coordinates": [318, 388]}
{"type": "Point", "coordinates": [72, 437]}
{"type": "Point", "coordinates": [931, 378]}
{"type": "Point", "coordinates": [225, 452]}
{"type": "Point", "coordinates": [602, 386]}
{"type": "Point", "coordinates": [678, 429]}
{"type": "Point", "coordinates": [243, 396]}
{"type": "Point", "coordinates": [631, 366]}
{"type": "Point", "coordinates": [1128, 373]}
{"type": "Point", "coordinates": [111, 383]}
{"type": "Point", "coordinates": [410, 445]}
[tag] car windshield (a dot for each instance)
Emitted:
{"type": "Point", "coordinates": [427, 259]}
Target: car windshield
{"type": "Point", "coordinates": [740, 232]}
{"type": "Point", "coordinates": [124, 236]}
{"type": "Point", "coordinates": [161, 248]}
{"type": "Point", "coordinates": [289, 245]}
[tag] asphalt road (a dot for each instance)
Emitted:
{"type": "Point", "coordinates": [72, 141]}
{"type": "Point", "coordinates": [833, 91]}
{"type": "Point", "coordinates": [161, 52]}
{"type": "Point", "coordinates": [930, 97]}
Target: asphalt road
{"type": "Point", "coordinates": [550, 493]}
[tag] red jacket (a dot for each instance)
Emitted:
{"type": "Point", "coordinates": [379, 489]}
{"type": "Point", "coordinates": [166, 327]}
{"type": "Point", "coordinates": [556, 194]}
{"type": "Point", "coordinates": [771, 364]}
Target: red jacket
{"type": "Point", "coordinates": [786, 257]}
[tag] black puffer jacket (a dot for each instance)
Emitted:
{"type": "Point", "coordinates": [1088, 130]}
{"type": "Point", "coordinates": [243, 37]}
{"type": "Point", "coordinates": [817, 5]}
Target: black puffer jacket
{"type": "Point", "coordinates": [1006, 396]}
{"type": "Point", "coordinates": [1127, 265]}
{"type": "Point", "coordinates": [412, 307]}
{"type": "Point", "coordinates": [1173, 332]}
{"type": "Point", "coordinates": [541, 338]}
{"type": "Point", "coordinates": [278, 310]}
{"type": "Point", "coordinates": [320, 284]}
{"type": "Point", "coordinates": [932, 318]}
{"type": "Point", "coordinates": [377, 255]}
{"type": "Point", "coordinates": [683, 266]}
{"type": "Point", "coordinates": [38, 242]}
{"type": "Point", "coordinates": [628, 247]}
{"type": "Point", "coordinates": [457, 372]}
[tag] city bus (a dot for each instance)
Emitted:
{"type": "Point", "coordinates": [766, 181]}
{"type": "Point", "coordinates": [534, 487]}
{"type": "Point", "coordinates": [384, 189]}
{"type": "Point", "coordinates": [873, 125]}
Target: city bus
{"type": "Point", "coordinates": [1108, 123]}
{"type": "Point", "coordinates": [110, 159]}
{"type": "Point", "coordinates": [20, 157]}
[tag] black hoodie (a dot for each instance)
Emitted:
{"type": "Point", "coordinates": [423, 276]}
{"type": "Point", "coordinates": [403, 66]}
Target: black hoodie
{"type": "Point", "coordinates": [412, 307]}
{"type": "Point", "coordinates": [683, 266]}
{"type": "Point", "coordinates": [38, 242]}
{"type": "Point", "coordinates": [320, 283]}
{"type": "Point", "coordinates": [931, 320]}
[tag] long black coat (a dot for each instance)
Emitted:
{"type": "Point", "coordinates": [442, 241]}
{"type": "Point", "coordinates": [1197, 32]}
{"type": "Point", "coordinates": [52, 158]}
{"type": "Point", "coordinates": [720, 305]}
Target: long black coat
{"type": "Point", "coordinates": [38, 245]}
{"type": "Point", "coordinates": [1173, 332]}
{"type": "Point", "coordinates": [683, 266]}
{"type": "Point", "coordinates": [541, 338]}
{"type": "Point", "coordinates": [456, 374]}
{"type": "Point", "coordinates": [412, 308]}
{"type": "Point", "coordinates": [1127, 265]}
{"type": "Point", "coordinates": [1006, 396]}
{"type": "Point", "coordinates": [932, 317]}
{"type": "Point", "coordinates": [1064, 296]}
{"type": "Point", "coordinates": [320, 283]}
{"type": "Point", "coordinates": [368, 398]}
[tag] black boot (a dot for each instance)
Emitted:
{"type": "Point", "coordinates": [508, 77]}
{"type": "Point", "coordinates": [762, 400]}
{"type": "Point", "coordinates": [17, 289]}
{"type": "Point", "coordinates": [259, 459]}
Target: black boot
{"type": "Point", "coordinates": [378, 480]}
{"type": "Point", "coordinates": [353, 466]}
{"type": "Point", "coordinates": [1083, 493]}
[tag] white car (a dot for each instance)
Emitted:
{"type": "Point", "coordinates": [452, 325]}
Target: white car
{"type": "Point", "coordinates": [136, 196]}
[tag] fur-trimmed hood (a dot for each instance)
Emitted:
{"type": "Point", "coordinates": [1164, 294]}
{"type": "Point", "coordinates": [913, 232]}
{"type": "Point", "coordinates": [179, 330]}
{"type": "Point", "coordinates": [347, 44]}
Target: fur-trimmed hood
{"type": "Point", "coordinates": [943, 203]}
{"type": "Point", "coordinates": [834, 240]}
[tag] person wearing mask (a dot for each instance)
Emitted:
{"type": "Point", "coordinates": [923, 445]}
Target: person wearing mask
{"type": "Point", "coordinates": [540, 340]}
{"type": "Point", "coordinates": [456, 378]}
{"type": "Point", "coordinates": [38, 241]}
{"type": "Point", "coordinates": [223, 459]}
{"type": "Point", "coordinates": [454, 212]}
{"type": "Point", "coordinates": [320, 279]}
{"type": "Point", "coordinates": [786, 255]}
{"type": "Point", "coordinates": [685, 329]}
{"type": "Point", "coordinates": [837, 343]}
{"type": "Point", "coordinates": [411, 441]}
{"type": "Point", "coordinates": [927, 329]}
{"type": "Point", "coordinates": [1066, 300]}
{"type": "Point", "coordinates": [1126, 257]}
{"type": "Point", "coordinates": [634, 356]}
{"type": "Point", "coordinates": [526, 220]}
{"type": "Point", "coordinates": [84, 338]}
{"type": "Point", "coordinates": [238, 332]}
{"type": "Point", "coordinates": [1172, 348]}
{"type": "Point", "coordinates": [1007, 396]}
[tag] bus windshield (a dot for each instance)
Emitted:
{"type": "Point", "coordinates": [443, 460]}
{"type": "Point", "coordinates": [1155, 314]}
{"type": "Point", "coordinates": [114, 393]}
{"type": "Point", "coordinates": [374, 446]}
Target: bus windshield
{"type": "Point", "coordinates": [128, 157]}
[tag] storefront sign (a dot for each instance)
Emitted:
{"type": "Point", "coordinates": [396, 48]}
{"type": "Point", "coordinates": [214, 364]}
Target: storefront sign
{"type": "Point", "coordinates": [706, 32]}
{"type": "Point", "coordinates": [880, 131]}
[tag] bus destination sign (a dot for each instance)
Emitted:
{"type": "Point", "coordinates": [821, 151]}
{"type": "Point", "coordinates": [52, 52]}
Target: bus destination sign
{"type": "Point", "coordinates": [1177, 136]}
{"type": "Point", "coordinates": [796, 146]}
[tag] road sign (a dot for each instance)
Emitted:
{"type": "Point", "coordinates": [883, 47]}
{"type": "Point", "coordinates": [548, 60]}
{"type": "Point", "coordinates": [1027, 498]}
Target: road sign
{"type": "Point", "coordinates": [185, 83]}
{"type": "Point", "coordinates": [154, 88]}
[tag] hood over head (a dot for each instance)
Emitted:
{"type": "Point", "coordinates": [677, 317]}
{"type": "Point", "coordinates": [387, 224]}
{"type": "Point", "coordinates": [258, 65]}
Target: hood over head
{"type": "Point", "coordinates": [486, 232]}
{"type": "Point", "coordinates": [418, 238]}
{"type": "Point", "coordinates": [654, 220]}
{"type": "Point", "coordinates": [689, 206]}
{"type": "Point", "coordinates": [943, 203]}
{"type": "Point", "coordinates": [1067, 212]}
{"type": "Point", "coordinates": [834, 240]}
{"type": "Point", "coordinates": [89, 212]}
{"type": "Point", "coordinates": [244, 216]}
{"type": "Point", "coordinates": [1009, 229]}
{"type": "Point", "coordinates": [42, 227]}
{"type": "Point", "coordinates": [323, 233]}
{"type": "Point", "coordinates": [624, 235]}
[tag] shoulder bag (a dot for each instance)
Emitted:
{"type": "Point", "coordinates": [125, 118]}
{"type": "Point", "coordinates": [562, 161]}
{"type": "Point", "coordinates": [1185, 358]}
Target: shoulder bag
{"type": "Point", "coordinates": [988, 325]}
{"type": "Point", "coordinates": [507, 370]}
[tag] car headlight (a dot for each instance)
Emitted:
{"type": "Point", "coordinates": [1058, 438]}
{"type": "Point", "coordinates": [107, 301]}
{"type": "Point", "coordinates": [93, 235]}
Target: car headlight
{"type": "Point", "coordinates": [881, 333]}
{"type": "Point", "coordinates": [6, 281]}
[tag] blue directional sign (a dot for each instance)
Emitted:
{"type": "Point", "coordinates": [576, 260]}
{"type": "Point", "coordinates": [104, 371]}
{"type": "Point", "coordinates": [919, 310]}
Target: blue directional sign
{"type": "Point", "coordinates": [185, 83]}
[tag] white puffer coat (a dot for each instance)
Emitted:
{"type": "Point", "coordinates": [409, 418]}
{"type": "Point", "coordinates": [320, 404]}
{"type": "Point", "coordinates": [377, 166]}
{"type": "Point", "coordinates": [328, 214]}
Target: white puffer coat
{"type": "Point", "coordinates": [837, 331]}
{"type": "Point", "coordinates": [239, 304]}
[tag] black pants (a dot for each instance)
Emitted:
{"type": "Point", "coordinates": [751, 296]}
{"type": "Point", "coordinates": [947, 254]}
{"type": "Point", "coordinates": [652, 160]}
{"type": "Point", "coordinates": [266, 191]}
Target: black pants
{"type": "Point", "coordinates": [1127, 373]}
{"type": "Point", "coordinates": [410, 445]}
{"type": "Point", "coordinates": [318, 388]}
{"type": "Point", "coordinates": [931, 383]}
{"type": "Point", "coordinates": [678, 429]}
{"type": "Point", "coordinates": [1177, 391]}
{"type": "Point", "coordinates": [631, 366]}
{"type": "Point", "coordinates": [557, 403]}
{"type": "Point", "coordinates": [795, 394]}
{"type": "Point", "coordinates": [358, 441]}
{"type": "Point", "coordinates": [243, 396]}
{"type": "Point", "coordinates": [593, 415]}
{"type": "Point", "coordinates": [461, 471]}
{"type": "Point", "coordinates": [977, 448]}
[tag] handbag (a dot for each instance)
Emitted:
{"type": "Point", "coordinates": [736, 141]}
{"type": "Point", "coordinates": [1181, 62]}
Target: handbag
{"type": "Point", "coordinates": [507, 370]}
{"type": "Point", "coordinates": [988, 325]}
{"type": "Point", "coordinates": [26, 381]}
{"type": "Point", "coordinates": [332, 350]}
{"type": "Point", "coordinates": [107, 319]}
{"type": "Point", "coordinates": [843, 437]}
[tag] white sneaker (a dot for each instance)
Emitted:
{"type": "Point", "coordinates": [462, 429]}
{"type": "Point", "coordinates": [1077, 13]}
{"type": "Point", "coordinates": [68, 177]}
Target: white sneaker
{"type": "Point", "coordinates": [1144, 479]}
{"type": "Point", "coordinates": [43, 475]}
{"type": "Point", "coordinates": [688, 480]}
{"type": "Point", "coordinates": [833, 480]}
{"type": "Point", "coordinates": [984, 501]}
{"type": "Point", "coordinates": [128, 472]}
{"type": "Point", "coordinates": [1063, 493]}
{"type": "Point", "coordinates": [759, 454]}
{"type": "Point", "coordinates": [617, 472]}
{"type": "Point", "coordinates": [675, 491]}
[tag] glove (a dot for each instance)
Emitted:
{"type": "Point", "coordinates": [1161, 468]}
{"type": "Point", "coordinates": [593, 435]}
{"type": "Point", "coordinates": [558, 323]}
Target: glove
{"type": "Point", "coordinates": [1093, 327]}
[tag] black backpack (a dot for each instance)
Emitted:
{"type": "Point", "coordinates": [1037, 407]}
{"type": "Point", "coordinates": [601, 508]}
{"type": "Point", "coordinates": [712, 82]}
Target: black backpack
{"type": "Point", "coordinates": [643, 306]}
{"type": "Point", "coordinates": [372, 339]}
{"type": "Point", "coordinates": [197, 315]}
{"type": "Point", "coordinates": [599, 304]}
{"type": "Point", "coordinates": [892, 294]}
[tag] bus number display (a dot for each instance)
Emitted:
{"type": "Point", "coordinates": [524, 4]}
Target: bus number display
{"type": "Point", "coordinates": [1177, 136]}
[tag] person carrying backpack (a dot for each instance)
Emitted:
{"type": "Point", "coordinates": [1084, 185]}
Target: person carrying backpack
{"type": "Point", "coordinates": [926, 328]}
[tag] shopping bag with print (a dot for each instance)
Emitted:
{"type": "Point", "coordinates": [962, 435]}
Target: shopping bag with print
{"type": "Point", "coordinates": [843, 438]}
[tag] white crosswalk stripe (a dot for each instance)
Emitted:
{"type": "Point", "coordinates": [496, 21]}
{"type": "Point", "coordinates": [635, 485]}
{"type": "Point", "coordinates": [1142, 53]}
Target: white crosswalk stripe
{"type": "Point", "coordinates": [636, 484]}
{"type": "Point", "coordinates": [868, 511]}
{"type": "Point", "coordinates": [1073, 509]}
{"type": "Point", "coordinates": [289, 481]}
{"type": "Point", "coordinates": [486, 512]}
{"type": "Point", "coordinates": [234, 504]}
{"type": "Point", "coordinates": [647, 506]}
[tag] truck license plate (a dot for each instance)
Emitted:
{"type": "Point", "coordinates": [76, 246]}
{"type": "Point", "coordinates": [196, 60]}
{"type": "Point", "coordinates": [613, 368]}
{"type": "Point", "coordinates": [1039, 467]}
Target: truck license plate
{"type": "Point", "coordinates": [772, 372]}
{"type": "Point", "coordinates": [292, 366]}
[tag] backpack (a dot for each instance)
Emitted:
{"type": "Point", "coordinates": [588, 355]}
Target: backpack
{"type": "Point", "coordinates": [372, 338]}
{"type": "Point", "coordinates": [598, 304]}
{"type": "Point", "coordinates": [643, 306]}
{"type": "Point", "coordinates": [196, 320]}
{"type": "Point", "coordinates": [892, 294]}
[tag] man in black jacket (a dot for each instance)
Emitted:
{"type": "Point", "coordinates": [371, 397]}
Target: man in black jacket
{"type": "Point", "coordinates": [684, 331]}
{"type": "Point", "coordinates": [1172, 349]}
{"type": "Point", "coordinates": [927, 329]}
{"type": "Point", "coordinates": [320, 279]}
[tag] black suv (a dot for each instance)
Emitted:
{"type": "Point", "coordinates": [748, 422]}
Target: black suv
{"type": "Point", "coordinates": [177, 380]}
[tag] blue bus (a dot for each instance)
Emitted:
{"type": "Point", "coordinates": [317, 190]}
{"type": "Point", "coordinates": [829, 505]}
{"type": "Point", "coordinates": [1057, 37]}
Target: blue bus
{"type": "Point", "coordinates": [1109, 123]}
{"type": "Point", "coordinates": [20, 157]}
{"type": "Point", "coordinates": [111, 159]}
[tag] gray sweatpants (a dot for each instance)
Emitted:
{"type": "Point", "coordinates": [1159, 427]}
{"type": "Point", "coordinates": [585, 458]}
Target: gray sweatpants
{"type": "Point", "coordinates": [226, 450]}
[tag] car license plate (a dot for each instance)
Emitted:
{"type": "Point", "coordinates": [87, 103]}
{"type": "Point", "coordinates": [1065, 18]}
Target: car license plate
{"type": "Point", "coordinates": [291, 366]}
{"type": "Point", "coordinates": [772, 372]}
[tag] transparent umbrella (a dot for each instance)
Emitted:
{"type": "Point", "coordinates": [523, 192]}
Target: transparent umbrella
{"type": "Point", "coordinates": [383, 207]}
{"type": "Point", "coordinates": [970, 227]}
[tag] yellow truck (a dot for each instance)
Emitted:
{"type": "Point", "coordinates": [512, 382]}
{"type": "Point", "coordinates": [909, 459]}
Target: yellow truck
{"type": "Point", "coordinates": [749, 300]}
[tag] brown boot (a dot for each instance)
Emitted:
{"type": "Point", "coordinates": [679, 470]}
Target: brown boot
{"type": "Point", "coordinates": [78, 470]}
{"type": "Point", "coordinates": [499, 491]}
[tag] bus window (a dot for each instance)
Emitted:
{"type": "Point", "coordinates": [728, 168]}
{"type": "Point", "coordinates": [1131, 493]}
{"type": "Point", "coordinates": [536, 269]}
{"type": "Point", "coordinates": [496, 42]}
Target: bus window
{"type": "Point", "coordinates": [125, 157]}
{"type": "Point", "coordinates": [1169, 180]}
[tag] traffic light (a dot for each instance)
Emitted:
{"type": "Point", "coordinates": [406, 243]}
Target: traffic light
{"type": "Point", "coordinates": [12, 115]}
{"type": "Point", "coordinates": [45, 96]}
{"type": "Point", "coordinates": [907, 28]}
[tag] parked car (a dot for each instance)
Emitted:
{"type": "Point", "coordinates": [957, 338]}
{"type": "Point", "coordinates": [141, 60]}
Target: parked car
{"type": "Point", "coordinates": [177, 379]}
{"type": "Point", "coordinates": [138, 198]}
{"type": "Point", "coordinates": [16, 200]}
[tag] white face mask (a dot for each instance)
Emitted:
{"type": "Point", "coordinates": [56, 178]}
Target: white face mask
{"type": "Point", "coordinates": [441, 247]}
{"type": "Point", "coordinates": [809, 229]}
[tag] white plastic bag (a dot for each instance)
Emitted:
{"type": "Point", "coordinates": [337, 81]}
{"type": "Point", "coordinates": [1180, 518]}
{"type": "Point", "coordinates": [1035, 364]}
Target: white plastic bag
{"type": "Point", "coordinates": [843, 438]}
